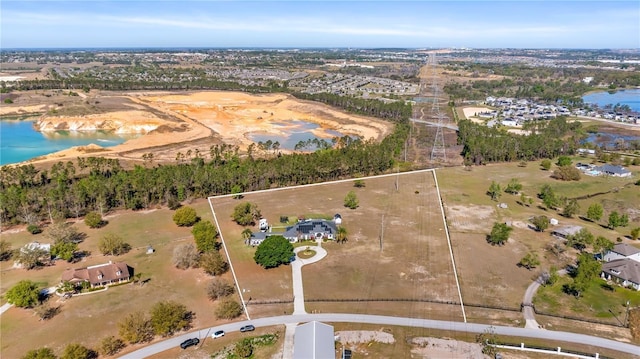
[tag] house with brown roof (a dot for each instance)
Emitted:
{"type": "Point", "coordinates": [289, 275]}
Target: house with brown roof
{"type": "Point", "coordinates": [99, 275]}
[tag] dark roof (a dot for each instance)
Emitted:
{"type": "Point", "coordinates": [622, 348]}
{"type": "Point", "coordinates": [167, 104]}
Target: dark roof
{"type": "Point", "coordinates": [612, 169]}
{"type": "Point", "coordinates": [625, 249]}
{"type": "Point", "coordinates": [311, 226]}
{"type": "Point", "coordinates": [625, 268]}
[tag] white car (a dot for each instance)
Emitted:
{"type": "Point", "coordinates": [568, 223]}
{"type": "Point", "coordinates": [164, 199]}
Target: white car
{"type": "Point", "coordinates": [218, 334]}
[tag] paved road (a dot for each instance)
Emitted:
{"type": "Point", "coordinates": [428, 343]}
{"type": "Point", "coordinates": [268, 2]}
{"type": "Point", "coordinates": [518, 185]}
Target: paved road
{"type": "Point", "coordinates": [433, 123]}
{"type": "Point", "coordinates": [386, 320]}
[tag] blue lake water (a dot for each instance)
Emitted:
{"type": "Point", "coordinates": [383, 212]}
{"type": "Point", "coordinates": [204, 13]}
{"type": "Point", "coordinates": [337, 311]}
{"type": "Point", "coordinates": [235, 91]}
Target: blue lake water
{"type": "Point", "coordinates": [19, 141]}
{"type": "Point", "coordinates": [608, 140]}
{"type": "Point", "coordinates": [629, 97]}
{"type": "Point", "coordinates": [296, 131]}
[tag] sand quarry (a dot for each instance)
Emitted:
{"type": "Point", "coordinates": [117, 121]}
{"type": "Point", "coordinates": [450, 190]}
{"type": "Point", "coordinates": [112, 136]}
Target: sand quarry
{"type": "Point", "coordinates": [174, 122]}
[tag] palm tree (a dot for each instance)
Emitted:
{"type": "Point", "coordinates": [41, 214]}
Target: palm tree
{"type": "Point", "coordinates": [341, 234]}
{"type": "Point", "coordinates": [246, 234]}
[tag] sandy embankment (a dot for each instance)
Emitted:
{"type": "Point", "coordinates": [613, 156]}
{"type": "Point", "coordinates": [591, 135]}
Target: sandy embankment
{"type": "Point", "coordinates": [179, 119]}
{"type": "Point", "coordinates": [470, 113]}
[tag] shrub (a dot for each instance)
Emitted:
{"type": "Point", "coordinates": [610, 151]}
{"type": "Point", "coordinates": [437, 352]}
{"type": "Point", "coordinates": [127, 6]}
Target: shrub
{"type": "Point", "coordinates": [244, 348]}
{"type": "Point", "coordinates": [111, 345]}
{"type": "Point", "coordinates": [545, 164]}
{"type": "Point", "coordinates": [77, 351]}
{"type": "Point", "coordinates": [246, 213]}
{"type": "Point", "coordinates": [566, 173]}
{"type": "Point", "coordinates": [41, 353]}
{"type": "Point", "coordinates": [228, 309]}
{"type": "Point", "coordinates": [8, 101]}
{"type": "Point", "coordinates": [136, 328]}
{"type": "Point", "coordinates": [24, 294]}
{"type": "Point", "coordinates": [168, 317]}
{"type": "Point", "coordinates": [185, 216]}
{"type": "Point", "coordinates": [93, 220]}
{"type": "Point", "coordinates": [351, 200]}
{"type": "Point", "coordinates": [185, 256]}
{"type": "Point", "coordinates": [213, 263]}
{"type": "Point", "coordinates": [499, 234]}
{"type": "Point", "coordinates": [113, 244]}
{"type": "Point", "coordinates": [34, 229]}
{"type": "Point", "coordinates": [5, 250]}
{"type": "Point", "coordinates": [205, 233]}
{"type": "Point", "coordinates": [541, 222]}
{"type": "Point", "coordinates": [219, 288]}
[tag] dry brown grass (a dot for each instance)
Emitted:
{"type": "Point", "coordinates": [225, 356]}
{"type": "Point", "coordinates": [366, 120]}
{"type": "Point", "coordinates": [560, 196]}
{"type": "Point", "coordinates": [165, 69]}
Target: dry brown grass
{"type": "Point", "coordinates": [489, 274]}
{"type": "Point", "coordinates": [413, 264]}
{"type": "Point", "coordinates": [99, 313]}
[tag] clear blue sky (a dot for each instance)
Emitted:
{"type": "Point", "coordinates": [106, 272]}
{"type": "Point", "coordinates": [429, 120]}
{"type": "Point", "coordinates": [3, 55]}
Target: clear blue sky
{"type": "Point", "coordinates": [486, 24]}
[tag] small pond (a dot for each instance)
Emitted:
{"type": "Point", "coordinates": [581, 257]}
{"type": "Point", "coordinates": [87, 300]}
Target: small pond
{"type": "Point", "coordinates": [294, 132]}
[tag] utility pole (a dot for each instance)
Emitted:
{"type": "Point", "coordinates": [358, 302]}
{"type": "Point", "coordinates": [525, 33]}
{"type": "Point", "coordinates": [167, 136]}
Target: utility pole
{"type": "Point", "coordinates": [626, 316]}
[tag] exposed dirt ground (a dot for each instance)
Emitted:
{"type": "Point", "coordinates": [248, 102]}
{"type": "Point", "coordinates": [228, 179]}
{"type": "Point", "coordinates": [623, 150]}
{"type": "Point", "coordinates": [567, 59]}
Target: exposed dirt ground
{"type": "Point", "coordinates": [185, 121]}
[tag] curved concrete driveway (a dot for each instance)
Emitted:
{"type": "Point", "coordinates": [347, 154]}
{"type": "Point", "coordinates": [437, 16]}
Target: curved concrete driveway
{"type": "Point", "coordinates": [296, 268]}
{"type": "Point", "coordinates": [298, 294]}
{"type": "Point", "coordinates": [527, 302]}
{"type": "Point", "coordinates": [386, 320]}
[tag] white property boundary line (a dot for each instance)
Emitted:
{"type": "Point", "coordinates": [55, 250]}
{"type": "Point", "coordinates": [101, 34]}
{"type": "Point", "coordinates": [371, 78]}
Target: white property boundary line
{"type": "Point", "coordinates": [233, 272]}
{"type": "Point", "coordinates": [235, 278]}
{"type": "Point", "coordinates": [545, 351]}
{"type": "Point", "coordinates": [446, 230]}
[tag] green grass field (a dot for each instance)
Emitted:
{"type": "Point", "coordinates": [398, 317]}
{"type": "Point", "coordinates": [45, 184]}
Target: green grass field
{"type": "Point", "coordinates": [600, 301]}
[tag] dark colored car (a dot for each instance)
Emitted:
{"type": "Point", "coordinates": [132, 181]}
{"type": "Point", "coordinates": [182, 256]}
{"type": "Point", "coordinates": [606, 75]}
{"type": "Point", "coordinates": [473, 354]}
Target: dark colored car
{"type": "Point", "coordinates": [247, 328]}
{"type": "Point", "coordinates": [189, 342]}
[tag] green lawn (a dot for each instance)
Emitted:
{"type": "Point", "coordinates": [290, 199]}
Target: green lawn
{"type": "Point", "coordinates": [599, 301]}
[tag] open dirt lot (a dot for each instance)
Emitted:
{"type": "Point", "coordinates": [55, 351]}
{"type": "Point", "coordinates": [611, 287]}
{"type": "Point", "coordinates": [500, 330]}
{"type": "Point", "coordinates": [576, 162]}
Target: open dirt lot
{"type": "Point", "coordinates": [413, 263]}
{"type": "Point", "coordinates": [470, 112]}
{"type": "Point", "coordinates": [185, 121]}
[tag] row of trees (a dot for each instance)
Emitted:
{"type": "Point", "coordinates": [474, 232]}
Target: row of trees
{"type": "Point", "coordinates": [28, 195]}
{"type": "Point", "coordinates": [549, 139]}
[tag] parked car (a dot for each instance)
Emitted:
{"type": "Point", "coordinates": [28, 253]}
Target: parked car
{"type": "Point", "coordinates": [189, 342]}
{"type": "Point", "coordinates": [247, 328]}
{"type": "Point", "coordinates": [218, 334]}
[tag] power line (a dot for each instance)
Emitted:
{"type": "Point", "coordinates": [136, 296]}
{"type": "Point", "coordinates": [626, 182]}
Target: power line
{"type": "Point", "coordinates": [438, 150]}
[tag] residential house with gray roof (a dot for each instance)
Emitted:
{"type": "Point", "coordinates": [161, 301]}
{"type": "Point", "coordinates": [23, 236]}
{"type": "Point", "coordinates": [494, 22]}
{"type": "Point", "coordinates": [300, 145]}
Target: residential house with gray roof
{"type": "Point", "coordinates": [625, 272]}
{"type": "Point", "coordinates": [310, 229]}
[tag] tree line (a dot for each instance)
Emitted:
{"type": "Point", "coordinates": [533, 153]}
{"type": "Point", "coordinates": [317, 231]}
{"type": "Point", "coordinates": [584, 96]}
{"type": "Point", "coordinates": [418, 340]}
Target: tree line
{"type": "Point", "coordinates": [548, 139]}
{"type": "Point", "coordinates": [68, 189]}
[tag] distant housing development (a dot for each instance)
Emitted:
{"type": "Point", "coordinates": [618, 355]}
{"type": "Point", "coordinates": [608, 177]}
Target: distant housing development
{"type": "Point", "coordinates": [514, 112]}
